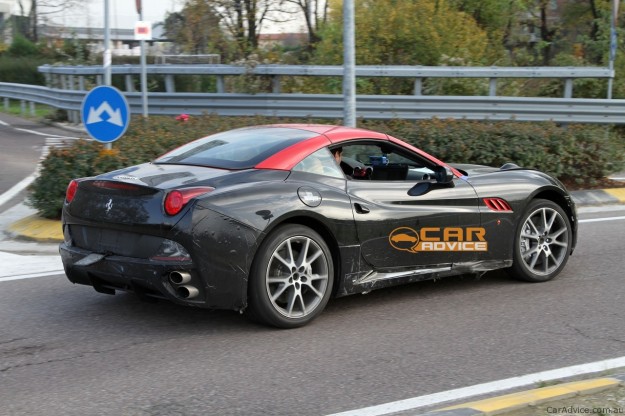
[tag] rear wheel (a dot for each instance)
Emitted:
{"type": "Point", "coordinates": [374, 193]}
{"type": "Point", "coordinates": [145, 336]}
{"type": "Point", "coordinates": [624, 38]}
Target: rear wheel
{"type": "Point", "coordinates": [292, 277]}
{"type": "Point", "coordinates": [542, 242]}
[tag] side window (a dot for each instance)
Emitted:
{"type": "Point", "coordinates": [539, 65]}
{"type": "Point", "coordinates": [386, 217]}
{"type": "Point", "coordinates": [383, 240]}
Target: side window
{"type": "Point", "coordinates": [322, 163]}
{"type": "Point", "coordinates": [385, 162]}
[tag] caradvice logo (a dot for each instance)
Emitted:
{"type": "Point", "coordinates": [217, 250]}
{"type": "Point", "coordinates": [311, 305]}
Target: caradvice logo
{"type": "Point", "coordinates": [438, 239]}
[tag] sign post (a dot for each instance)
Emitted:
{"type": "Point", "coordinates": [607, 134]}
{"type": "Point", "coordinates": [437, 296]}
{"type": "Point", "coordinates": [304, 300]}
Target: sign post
{"type": "Point", "coordinates": [143, 32]}
{"type": "Point", "coordinates": [105, 114]}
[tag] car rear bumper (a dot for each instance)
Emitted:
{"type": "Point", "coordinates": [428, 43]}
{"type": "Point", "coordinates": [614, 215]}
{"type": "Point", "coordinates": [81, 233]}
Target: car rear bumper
{"type": "Point", "coordinates": [146, 278]}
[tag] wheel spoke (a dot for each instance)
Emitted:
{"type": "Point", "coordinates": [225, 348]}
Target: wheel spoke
{"type": "Point", "coordinates": [301, 301]}
{"type": "Point", "coordinates": [551, 221]}
{"type": "Point", "coordinates": [560, 243]}
{"type": "Point", "coordinates": [281, 260]}
{"type": "Point", "coordinates": [291, 302]}
{"type": "Point", "coordinates": [314, 257]}
{"type": "Point", "coordinates": [531, 224]}
{"type": "Point", "coordinates": [277, 279]}
{"type": "Point", "coordinates": [532, 236]}
{"type": "Point", "coordinates": [318, 277]}
{"type": "Point", "coordinates": [530, 252]}
{"type": "Point", "coordinates": [557, 234]}
{"type": "Point", "coordinates": [316, 292]}
{"type": "Point", "coordinates": [534, 260]}
{"type": "Point", "coordinates": [553, 258]}
{"type": "Point", "coordinates": [290, 250]}
{"type": "Point", "coordinates": [544, 216]}
{"type": "Point", "coordinates": [303, 253]}
{"type": "Point", "coordinates": [279, 292]}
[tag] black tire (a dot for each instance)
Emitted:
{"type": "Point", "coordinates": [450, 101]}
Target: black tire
{"type": "Point", "coordinates": [291, 279]}
{"type": "Point", "coordinates": [542, 242]}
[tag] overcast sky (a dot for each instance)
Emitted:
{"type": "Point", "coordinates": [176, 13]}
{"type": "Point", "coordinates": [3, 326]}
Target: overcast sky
{"type": "Point", "coordinates": [123, 13]}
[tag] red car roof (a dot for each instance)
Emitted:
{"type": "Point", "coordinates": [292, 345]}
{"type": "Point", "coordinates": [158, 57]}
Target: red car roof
{"type": "Point", "coordinates": [329, 134]}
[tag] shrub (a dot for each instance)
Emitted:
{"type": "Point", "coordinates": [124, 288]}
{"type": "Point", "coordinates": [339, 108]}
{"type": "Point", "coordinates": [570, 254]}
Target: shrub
{"type": "Point", "coordinates": [582, 153]}
{"type": "Point", "coordinates": [21, 70]}
{"type": "Point", "coordinates": [21, 47]}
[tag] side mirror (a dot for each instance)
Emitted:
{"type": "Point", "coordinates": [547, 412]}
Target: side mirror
{"type": "Point", "coordinates": [443, 175]}
{"type": "Point", "coordinates": [444, 179]}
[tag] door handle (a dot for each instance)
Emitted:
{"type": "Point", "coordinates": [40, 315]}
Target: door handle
{"type": "Point", "coordinates": [361, 209]}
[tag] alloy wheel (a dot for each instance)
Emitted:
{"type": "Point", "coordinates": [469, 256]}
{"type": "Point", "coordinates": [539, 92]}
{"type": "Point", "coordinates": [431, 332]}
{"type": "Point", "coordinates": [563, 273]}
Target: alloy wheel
{"type": "Point", "coordinates": [544, 241]}
{"type": "Point", "coordinates": [297, 277]}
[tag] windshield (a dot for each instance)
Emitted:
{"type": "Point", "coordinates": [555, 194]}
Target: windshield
{"type": "Point", "coordinates": [236, 149]}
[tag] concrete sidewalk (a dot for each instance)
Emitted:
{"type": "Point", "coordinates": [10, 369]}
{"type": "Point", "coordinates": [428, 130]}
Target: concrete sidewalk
{"type": "Point", "coordinates": [29, 226]}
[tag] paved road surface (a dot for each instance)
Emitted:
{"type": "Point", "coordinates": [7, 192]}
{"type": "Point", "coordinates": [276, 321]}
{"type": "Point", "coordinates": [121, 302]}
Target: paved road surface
{"type": "Point", "coordinates": [65, 349]}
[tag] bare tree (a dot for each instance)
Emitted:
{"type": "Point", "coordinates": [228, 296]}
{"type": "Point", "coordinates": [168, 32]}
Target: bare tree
{"type": "Point", "coordinates": [315, 13]}
{"type": "Point", "coordinates": [40, 9]}
{"type": "Point", "coordinates": [244, 18]}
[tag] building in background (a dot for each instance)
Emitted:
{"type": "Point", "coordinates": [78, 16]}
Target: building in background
{"type": "Point", "coordinates": [123, 41]}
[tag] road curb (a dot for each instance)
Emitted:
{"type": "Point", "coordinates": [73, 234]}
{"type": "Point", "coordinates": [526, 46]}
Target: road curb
{"type": "Point", "coordinates": [36, 228]}
{"type": "Point", "coordinates": [515, 401]}
{"type": "Point", "coordinates": [599, 196]}
{"type": "Point", "coordinates": [618, 193]}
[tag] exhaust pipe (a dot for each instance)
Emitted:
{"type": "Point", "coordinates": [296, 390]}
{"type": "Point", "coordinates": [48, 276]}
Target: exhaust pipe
{"type": "Point", "coordinates": [187, 292]}
{"type": "Point", "coordinates": [179, 278]}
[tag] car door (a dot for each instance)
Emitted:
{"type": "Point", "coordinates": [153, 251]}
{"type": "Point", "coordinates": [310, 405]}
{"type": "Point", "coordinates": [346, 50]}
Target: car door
{"type": "Point", "coordinates": [399, 230]}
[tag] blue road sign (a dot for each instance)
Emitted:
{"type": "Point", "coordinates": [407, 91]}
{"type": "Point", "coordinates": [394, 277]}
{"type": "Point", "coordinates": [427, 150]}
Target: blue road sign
{"type": "Point", "coordinates": [105, 114]}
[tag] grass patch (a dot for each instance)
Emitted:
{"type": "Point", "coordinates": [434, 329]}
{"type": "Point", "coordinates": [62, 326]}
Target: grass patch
{"type": "Point", "coordinates": [15, 108]}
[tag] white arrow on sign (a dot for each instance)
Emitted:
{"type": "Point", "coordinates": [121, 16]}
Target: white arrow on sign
{"type": "Point", "coordinates": [115, 116]}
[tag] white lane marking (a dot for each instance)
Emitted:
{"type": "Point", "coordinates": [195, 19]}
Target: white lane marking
{"type": "Point", "coordinates": [17, 188]}
{"type": "Point", "coordinates": [485, 388]}
{"type": "Point", "coordinates": [16, 266]}
{"type": "Point", "coordinates": [4, 123]}
{"type": "Point", "coordinates": [38, 133]}
{"type": "Point", "coordinates": [31, 276]}
{"type": "Point", "coordinates": [602, 219]}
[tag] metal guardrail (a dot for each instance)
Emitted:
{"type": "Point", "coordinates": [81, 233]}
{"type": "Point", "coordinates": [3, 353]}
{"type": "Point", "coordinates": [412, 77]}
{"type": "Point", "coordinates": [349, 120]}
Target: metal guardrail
{"type": "Point", "coordinates": [65, 76]}
{"type": "Point", "coordinates": [337, 70]}
{"type": "Point", "coordinates": [413, 107]}
{"type": "Point", "coordinates": [67, 90]}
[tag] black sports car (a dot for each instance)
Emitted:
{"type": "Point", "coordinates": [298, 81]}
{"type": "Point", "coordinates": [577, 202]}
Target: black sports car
{"type": "Point", "coordinates": [274, 220]}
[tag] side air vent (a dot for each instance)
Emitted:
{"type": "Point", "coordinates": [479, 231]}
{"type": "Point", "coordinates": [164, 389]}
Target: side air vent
{"type": "Point", "coordinates": [497, 204]}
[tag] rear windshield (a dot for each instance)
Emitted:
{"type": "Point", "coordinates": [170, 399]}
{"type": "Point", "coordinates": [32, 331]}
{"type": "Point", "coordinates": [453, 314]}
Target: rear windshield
{"type": "Point", "coordinates": [236, 149]}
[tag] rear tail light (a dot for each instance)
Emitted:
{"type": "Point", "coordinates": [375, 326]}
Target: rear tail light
{"type": "Point", "coordinates": [176, 200]}
{"type": "Point", "coordinates": [71, 191]}
{"type": "Point", "coordinates": [119, 186]}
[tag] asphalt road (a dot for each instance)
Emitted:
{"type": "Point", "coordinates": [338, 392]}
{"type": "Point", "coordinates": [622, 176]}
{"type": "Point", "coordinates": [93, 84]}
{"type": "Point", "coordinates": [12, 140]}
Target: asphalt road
{"type": "Point", "coordinates": [67, 350]}
{"type": "Point", "coordinates": [21, 145]}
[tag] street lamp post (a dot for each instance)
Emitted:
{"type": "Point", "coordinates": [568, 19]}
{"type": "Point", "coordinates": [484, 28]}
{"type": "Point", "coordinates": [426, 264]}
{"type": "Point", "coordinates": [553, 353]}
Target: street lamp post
{"type": "Point", "coordinates": [349, 62]}
{"type": "Point", "coordinates": [144, 76]}
{"type": "Point", "coordinates": [107, 45]}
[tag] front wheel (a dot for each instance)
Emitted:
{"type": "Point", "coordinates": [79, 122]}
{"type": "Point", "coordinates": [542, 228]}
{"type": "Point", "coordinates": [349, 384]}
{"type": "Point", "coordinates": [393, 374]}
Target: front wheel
{"type": "Point", "coordinates": [292, 277]}
{"type": "Point", "coordinates": [542, 242]}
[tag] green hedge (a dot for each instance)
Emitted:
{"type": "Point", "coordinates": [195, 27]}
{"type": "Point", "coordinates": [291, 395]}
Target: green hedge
{"type": "Point", "coordinates": [580, 153]}
{"type": "Point", "coordinates": [21, 70]}
{"type": "Point", "coordinates": [576, 153]}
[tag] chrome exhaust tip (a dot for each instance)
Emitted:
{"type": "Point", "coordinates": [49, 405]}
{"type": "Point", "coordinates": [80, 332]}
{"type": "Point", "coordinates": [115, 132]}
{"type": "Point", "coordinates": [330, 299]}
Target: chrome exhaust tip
{"type": "Point", "coordinates": [179, 278]}
{"type": "Point", "coordinates": [187, 292]}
